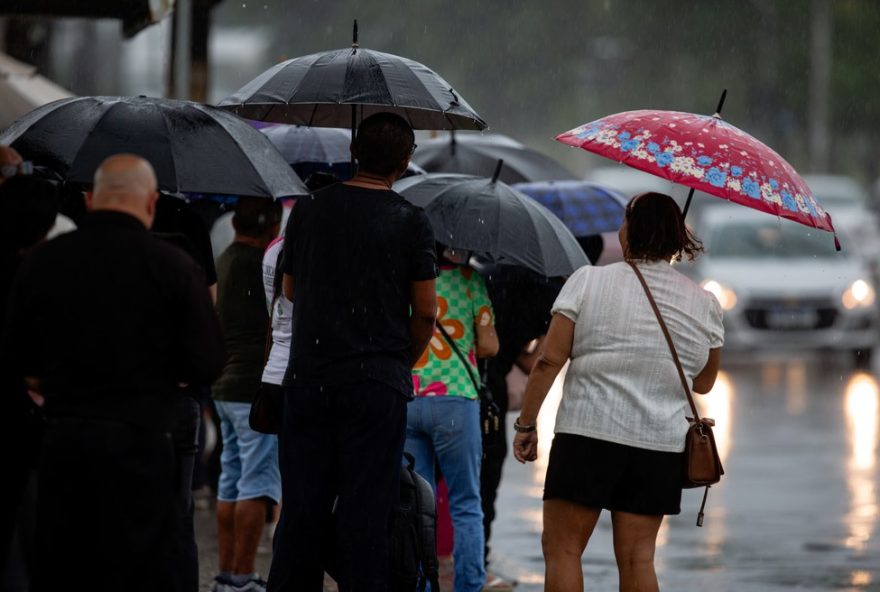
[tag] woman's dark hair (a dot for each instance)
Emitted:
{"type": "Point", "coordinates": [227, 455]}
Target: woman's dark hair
{"type": "Point", "coordinates": [28, 206]}
{"type": "Point", "coordinates": [383, 142]}
{"type": "Point", "coordinates": [254, 216]}
{"type": "Point", "coordinates": [655, 230]}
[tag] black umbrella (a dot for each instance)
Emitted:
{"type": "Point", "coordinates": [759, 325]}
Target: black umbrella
{"type": "Point", "coordinates": [490, 218]}
{"type": "Point", "coordinates": [192, 147]}
{"type": "Point", "coordinates": [477, 154]}
{"type": "Point", "coordinates": [338, 88]}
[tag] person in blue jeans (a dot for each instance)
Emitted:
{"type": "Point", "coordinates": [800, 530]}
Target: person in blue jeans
{"type": "Point", "coordinates": [249, 478]}
{"type": "Point", "coordinates": [443, 420]}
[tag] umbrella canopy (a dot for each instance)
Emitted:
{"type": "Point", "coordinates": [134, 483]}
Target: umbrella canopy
{"type": "Point", "coordinates": [318, 149]}
{"type": "Point", "coordinates": [300, 144]}
{"type": "Point", "coordinates": [22, 90]}
{"type": "Point", "coordinates": [477, 154]}
{"type": "Point", "coordinates": [490, 218]}
{"type": "Point", "coordinates": [705, 153]}
{"type": "Point", "coordinates": [338, 88]}
{"type": "Point", "coordinates": [585, 208]}
{"type": "Point", "coordinates": [192, 147]}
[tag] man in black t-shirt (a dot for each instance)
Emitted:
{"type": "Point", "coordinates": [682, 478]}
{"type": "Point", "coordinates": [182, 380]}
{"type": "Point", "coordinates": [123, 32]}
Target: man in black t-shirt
{"type": "Point", "coordinates": [359, 266]}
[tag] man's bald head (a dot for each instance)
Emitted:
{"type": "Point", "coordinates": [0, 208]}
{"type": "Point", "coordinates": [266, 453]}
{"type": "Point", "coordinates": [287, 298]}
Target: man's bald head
{"type": "Point", "coordinates": [125, 183]}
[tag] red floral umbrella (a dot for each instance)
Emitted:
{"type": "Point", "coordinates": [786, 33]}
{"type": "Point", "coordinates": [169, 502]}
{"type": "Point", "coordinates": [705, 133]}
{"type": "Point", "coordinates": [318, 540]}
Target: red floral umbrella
{"type": "Point", "coordinates": [706, 153]}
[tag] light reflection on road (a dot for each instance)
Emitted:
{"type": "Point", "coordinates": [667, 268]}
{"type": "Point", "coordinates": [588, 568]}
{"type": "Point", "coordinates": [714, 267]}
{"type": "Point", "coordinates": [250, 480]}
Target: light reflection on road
{"type": "Point", "coordinates": [546, 423]}
{"type": "Point", "coordinates": [861, 408]}
{"type": "Point", "coordinates": [718, 404]}
{"type": "Point", "coordinates": [798, 508]}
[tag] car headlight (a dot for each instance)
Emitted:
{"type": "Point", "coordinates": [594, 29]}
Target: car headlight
{"type": "Point", "coordinates": [726, 297]}
{"type": "Point", "coordinates": [860, 294]}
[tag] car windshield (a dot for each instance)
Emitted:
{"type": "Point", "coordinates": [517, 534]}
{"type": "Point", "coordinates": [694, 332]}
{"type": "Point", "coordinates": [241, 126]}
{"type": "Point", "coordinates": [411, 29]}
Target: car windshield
{"type": "Point", "coordinates": [761, 240]}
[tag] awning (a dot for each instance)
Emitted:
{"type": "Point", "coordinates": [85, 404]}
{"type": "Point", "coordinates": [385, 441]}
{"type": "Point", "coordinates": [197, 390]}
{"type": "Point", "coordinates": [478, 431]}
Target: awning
{"type": "Point", "coordinates": [23, 90]}
{"type": "Point", "coordinates": [135, 14]}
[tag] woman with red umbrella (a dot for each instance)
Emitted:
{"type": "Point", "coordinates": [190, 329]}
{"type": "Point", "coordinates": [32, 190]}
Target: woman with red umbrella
{"type": "Point", "coordinates": [620, 429]}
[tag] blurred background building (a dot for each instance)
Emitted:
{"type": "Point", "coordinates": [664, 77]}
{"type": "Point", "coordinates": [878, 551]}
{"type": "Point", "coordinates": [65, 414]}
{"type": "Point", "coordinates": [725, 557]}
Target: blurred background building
{"type": "Point", "coordinates": [801, 74]}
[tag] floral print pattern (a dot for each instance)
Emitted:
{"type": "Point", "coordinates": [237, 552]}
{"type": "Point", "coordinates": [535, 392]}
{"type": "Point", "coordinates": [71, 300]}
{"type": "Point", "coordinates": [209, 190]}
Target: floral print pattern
{"type": "Point", "coordinates": [705, 153]}
{"type": "Point", "coordinates": [438, 345]}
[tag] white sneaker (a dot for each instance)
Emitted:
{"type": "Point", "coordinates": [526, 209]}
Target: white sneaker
{"type": "Point", "coordinates": [221, 584]}
{"type": "Point", "coordinates": [255, 584]}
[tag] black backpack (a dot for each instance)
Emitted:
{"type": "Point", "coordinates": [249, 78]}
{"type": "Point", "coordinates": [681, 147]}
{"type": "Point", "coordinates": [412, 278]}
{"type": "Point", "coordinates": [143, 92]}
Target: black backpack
{"type": "Point", "coordinates": [413, 546]}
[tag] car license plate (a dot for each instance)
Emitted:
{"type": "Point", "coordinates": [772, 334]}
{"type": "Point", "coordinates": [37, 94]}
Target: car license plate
{"type": "Point", "coordinates": [793, 318]}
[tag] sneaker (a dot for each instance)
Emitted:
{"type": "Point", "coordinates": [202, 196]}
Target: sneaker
{"type": "Point", "coordinates": [255, 584]}
{"type": "Point", "coordinates": [221, 584]}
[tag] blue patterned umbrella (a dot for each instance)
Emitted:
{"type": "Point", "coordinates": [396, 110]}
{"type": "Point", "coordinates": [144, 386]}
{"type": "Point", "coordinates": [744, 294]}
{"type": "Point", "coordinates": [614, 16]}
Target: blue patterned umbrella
{"type": "Point", "coordinates": [585, 208]}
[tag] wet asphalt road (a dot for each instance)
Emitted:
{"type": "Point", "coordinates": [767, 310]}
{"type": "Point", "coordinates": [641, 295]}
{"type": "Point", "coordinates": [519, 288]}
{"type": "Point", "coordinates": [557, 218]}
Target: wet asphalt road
{"type": "Point", "coordinates": [796, 510]}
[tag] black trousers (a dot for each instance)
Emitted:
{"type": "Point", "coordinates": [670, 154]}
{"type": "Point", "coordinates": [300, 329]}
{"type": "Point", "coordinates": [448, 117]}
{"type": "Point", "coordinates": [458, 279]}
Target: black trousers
{"type": "Point", "coordinates": [340, 451]}
{"type": "Point", "coordinates": [494, 453]}
{"type": "Point", "coordinates": [185, 436]}
{"type": "Point", "coordinates": [105, 508]}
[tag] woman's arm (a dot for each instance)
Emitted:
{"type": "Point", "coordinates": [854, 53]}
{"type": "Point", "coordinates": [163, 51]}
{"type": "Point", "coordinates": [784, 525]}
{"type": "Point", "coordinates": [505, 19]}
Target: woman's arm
{"type": "Point", "coordinates": [705, 380]}
{"type": "Point", "coordinates": [487, 341]}
{"type": "Point", "coordinates": [555, 352]}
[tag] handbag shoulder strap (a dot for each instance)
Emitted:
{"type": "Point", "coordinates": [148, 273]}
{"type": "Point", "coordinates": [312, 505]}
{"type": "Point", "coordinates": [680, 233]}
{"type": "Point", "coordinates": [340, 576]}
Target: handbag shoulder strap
{"type": "Point", "coordinates": [461, 357]}
{"type": "Point", "coordinates": [684, 385]}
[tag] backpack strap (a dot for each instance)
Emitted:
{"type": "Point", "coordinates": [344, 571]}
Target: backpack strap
{"type": "Point", "coordinates": [430, 572]}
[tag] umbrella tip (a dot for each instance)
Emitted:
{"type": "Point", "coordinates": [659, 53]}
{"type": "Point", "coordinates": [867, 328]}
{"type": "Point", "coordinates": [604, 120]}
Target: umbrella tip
{"type": "Point", "coordinates": [720, 104]}
{"type": "Point", "coordinates": [498, 170]}
{"type": "Point", "coordinates": [354, 34]}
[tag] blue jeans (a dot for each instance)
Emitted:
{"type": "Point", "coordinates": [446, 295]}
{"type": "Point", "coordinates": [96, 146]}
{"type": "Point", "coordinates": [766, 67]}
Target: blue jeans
{"type": "Point", "coordinates": [447, 430]}
{"type": "Point", "coordinates": [249, 459]}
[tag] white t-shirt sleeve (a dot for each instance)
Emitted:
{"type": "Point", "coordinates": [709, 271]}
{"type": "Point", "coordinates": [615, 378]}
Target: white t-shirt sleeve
{"type": "Point", "coordinates": [568, 303]}
{"type": "Point", "coordinates": [715, 324]}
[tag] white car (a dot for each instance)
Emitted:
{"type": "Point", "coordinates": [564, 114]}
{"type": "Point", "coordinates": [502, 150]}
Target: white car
{"type": "Point", "coordinates": [782, 285]}
{"type": "Point", "coordinates": [847, 202]}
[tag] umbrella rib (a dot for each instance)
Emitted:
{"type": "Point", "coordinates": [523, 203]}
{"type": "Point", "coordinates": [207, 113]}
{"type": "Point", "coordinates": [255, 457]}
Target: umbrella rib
{"type": "Point", "coordinates": [170, 147]}
{"type": "Point", "coordinates": [92, 131]}
{"type": "Point", "coordinates": [217, 120]}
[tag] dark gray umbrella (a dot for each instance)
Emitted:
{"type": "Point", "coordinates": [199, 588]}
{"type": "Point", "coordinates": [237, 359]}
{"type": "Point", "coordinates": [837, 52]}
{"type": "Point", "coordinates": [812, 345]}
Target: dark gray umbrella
{"type": "Point", "coordinates": [477, 154]}
{"type": "Point", "coordinates": [338, 88]}
{"type": "Point", "coordinates": [192, 147]}
{"type": "Point", "coordinates": [490, 218]}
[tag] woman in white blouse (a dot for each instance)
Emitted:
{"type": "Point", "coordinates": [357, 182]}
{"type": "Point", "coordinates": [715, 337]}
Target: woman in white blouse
{"type": "Point", "coordinates": [621, 425]}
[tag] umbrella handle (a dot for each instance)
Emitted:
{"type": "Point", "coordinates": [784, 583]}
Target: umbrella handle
{"type": "Point", "coordinates": [687, 204]}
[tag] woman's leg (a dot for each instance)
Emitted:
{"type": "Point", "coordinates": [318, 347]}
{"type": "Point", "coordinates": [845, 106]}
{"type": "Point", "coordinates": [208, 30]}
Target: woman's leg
{"type": "Point", "coordinates": [567, 529]}
{"type": "Point", "coordinates": [635, 536]}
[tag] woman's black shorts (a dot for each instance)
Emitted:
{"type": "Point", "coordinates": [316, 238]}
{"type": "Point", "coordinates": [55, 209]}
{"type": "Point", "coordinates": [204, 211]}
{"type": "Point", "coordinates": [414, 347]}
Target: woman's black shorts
{"type": "Point", "coordinates": [601, 474]}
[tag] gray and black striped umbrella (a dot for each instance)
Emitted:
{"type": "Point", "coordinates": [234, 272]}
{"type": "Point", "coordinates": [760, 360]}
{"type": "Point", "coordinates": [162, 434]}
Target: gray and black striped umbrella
{"type": "Point", "coordinates": [193, 148]}
{"type": "Point", "coordinates": [341, 87]}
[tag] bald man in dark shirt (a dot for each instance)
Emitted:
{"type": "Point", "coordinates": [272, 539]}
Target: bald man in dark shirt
{"type": "Point", "coordinates": [105, 323]}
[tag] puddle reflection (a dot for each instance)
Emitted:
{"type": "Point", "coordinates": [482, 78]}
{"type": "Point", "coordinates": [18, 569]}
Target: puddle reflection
{"type": "Point", "coordinates": [796, 388]}
{"type": "Point", "coordinates": [861, 406]}
{"type": "Point", "coordinates": [718, 404]}
{"type": "Point", "coordinates": [546, 423]}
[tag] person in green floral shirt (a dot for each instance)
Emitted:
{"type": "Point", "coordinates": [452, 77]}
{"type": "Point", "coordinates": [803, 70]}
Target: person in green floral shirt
{"type": "Point", "coordinates": [443, 420]}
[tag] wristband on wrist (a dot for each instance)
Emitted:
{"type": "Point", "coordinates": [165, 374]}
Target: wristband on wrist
{"type": "Point", "coordinates": [524, 429]}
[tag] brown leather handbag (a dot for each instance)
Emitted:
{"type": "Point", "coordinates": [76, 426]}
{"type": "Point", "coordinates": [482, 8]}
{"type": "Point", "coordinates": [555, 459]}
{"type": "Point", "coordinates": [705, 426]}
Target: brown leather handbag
{"type": "Point", "coordinates": [701, 466]}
